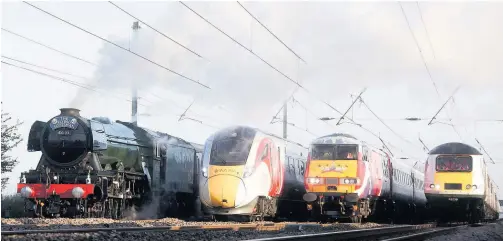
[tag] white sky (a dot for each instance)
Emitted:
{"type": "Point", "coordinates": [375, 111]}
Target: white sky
{"type": "Point", "coordinates": [347, 46]}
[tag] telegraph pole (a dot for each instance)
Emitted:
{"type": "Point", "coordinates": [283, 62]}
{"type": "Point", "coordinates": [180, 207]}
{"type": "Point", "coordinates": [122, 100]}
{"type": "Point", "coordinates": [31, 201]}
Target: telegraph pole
{"type": "Point", "coordinates": [285, 120]}
{"type": "Point", "coordinates": [134, 90]}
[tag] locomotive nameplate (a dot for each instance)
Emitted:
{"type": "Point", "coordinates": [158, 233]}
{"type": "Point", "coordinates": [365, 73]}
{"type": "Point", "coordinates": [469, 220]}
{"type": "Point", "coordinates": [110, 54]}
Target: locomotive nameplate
{"type": "Point", "coordinates": [63, 122]}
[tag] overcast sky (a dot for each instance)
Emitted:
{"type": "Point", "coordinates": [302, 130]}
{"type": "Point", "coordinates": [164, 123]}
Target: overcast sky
{"type": "Point", "coordinates": [346, 47]}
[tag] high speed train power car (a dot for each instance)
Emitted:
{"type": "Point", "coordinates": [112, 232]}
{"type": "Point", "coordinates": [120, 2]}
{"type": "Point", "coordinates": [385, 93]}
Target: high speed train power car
{"type": "Point", "coordinates": [458, 185]}
{"type": "Point", "coordinates": [99, 168]}
{"type": "Point", "coordinates": [348, 179]}
{"type": "Point", "coordinates": [248, 174]}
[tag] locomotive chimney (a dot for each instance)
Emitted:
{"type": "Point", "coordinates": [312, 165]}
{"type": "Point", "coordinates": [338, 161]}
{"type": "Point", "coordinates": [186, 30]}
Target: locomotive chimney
{"type": "Point", "coordinates": [70, 111]}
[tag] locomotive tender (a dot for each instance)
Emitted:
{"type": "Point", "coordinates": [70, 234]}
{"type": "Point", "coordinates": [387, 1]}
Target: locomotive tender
{"type": "Point", "coordinates": [248, 174]}
{"type": "Point", "coordinates": [458, 185]}
{"type": "Point", "coordinates": [99, 168]}
{"type": "Point", "coordinates": [347, 178]}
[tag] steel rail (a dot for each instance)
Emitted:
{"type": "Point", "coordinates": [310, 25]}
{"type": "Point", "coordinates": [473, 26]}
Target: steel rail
{"type": "Point", "coordinates": [237, 227]}
{"type": "Point", "coordinates": [351, 234]}
{"type": "Point", "coordinates": [423, 235]}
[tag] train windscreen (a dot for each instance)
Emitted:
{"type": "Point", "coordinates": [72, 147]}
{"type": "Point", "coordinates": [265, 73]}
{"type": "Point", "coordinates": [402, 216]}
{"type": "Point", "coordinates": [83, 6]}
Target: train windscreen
{"type": "Point", "coordinates": [334, 152]}
{"type": "Point", "coordinates": [231, 148]}
{"type": "Point", "coordinates": [454, 164]}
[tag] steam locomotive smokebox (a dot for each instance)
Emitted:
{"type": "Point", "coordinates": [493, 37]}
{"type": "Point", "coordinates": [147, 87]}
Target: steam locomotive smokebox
{"type": "Point", "coordinates": [70, 111]}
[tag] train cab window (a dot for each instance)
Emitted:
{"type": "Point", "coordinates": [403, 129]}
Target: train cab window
{"type": "Point", "coordinates": [230, 151]}
{"type": "Point", "coordinates": [452, 163]}
{"type": "Point", "coordinates": [335, 152]}
{"type": "Point", "coordinates": [347, 152]}
{"type": "Point", "coordinates": [323, 152]}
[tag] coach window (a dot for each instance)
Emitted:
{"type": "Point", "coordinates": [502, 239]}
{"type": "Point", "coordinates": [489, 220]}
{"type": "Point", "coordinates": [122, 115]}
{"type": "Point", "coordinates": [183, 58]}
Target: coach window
{"type": "Point", "coordinates": [302, 167]}
{"type": "Point", "coordinates": [291, 165]}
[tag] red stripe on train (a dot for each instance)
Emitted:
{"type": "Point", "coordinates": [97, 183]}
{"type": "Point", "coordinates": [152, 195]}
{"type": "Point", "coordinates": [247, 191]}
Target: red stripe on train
{"type": "Point", "coordinates": [63, 190]}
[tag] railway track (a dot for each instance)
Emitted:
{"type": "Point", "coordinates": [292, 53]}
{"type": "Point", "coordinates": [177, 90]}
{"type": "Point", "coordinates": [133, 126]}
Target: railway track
{"type": "Point", "coordinates": [391, 233]}
{"type": "Point", "coordinates": [402, 232]}
{"type": "Point", "coordinates": [234, 227]}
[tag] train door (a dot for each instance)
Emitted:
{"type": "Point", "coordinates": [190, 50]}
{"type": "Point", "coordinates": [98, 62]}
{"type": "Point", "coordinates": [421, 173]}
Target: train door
{"type": "Point", "coordinates": [391, 174]}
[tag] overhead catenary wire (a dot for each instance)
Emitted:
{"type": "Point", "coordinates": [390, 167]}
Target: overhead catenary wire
{"type": "Point", "coordinates": [237, 42]}
{"type": "Point", "coordinates": [284, 75]}
{"type": "Point", "coordinates": [481, 146]}
{"type": "Point", "coordinates": [65, 73]}
{"type": "Point", "coordinates": [90, 88]}
{"type": "Point", "coordinates": [42, 67]}
{"type": "Point", "coordinates": [351, 106]}
{"type": "Point", "coordinates": [49, 47]}
{"type": "Point", "coordinates": [249, 50]}
{"type": "Point", "coordinates": [268, 30]}
{"type": "Point", "coordinates": [426, 29]}
{"type": "Point", "coordinates": [118, 46]}
{"type": "Point", "coordinates": [419, 49]}
{"type": "Point", "coordinates": [66, 81]}
{"type": "Point", "coordinates": [159, 32]}
{"type": "Point", "coordinates": [425, 64]}
{"type": "Point", "coordinates": [382, 122]}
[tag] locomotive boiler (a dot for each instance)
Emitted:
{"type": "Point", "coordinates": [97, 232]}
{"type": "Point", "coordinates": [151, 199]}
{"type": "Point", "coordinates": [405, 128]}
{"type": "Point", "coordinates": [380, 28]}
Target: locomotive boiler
{"type": "Point", "coordinates": [99, 168]}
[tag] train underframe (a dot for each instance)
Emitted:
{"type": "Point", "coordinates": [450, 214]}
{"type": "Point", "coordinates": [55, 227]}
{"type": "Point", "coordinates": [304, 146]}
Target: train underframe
{"type": "Point", "coordinates": [261, 209]}
{"type": "Point", "coordinates": [351, 208]}
{"type": "Point", "coordinates": [461, 209]}
{"type": "Point", "coordinates": [116, 194]}
{"type": "Point", "coordinates": [336, 206]}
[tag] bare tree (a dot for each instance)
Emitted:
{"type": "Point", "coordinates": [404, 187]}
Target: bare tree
{"type": "Point", "coordinates": [10, 139]}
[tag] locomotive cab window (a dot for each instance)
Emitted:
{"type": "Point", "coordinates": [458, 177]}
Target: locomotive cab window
{"type": "Point", "coordinates": [230, 149]}
{"type": "Point", "coordinates": [454, 164]}
{"type": "Point", "coordinates": [335, 152]}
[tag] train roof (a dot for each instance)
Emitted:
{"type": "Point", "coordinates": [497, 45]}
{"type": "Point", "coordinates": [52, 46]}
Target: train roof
{"type": "Point", "coordinates": [129, 130]}
{"type": "Point", "coordinates": [339, 135]}
{"type": "Point", "coordinates": [453, 148]}
{"type": "Point", "coordinates": [198, 147]}
{"type": "Point", "coordinates": [336, 138]}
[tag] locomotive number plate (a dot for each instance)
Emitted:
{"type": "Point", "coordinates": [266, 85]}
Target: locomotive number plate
{"type": "Point", "coordinates": [64, 133]}
{"type": "Point", "coordinates": [332, 188]}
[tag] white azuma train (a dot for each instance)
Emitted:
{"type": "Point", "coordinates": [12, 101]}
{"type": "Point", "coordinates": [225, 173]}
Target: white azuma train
{"type": "Point", "coordinates": [458, 186]}
{"type": "Point", "coordinates": [250, 174]}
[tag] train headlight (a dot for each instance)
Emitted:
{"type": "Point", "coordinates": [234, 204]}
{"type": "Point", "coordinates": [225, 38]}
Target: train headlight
{"type": "Point", "coordinates": [26, 192]}
{"type": "Point", "coordinates": [350, 181]}
{"type": "Point", "coordinates": [474, 187]}
{"type": "Point", "coordinates": [468, 186]}
{"type": "Point", "coordinates": [432, 186]}
{"type": "Point", "coordinates": [77, 192]}
{"type": "Point", "coordinates": [437, 186]}
{"type": "Point", "coordinates": [314, 180]}
{"type": "Point", "coordinates": [204, 171]}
